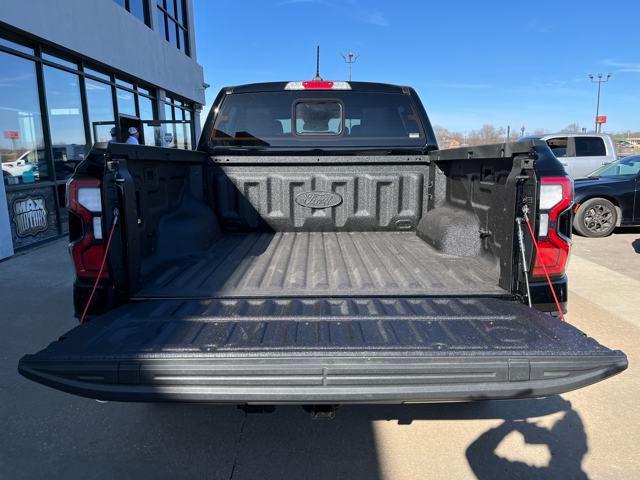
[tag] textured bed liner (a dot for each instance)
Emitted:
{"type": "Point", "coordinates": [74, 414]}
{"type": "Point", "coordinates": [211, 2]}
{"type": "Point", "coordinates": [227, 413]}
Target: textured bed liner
{"type": "Point", "coordinates": [322, 350]}
{"type": "Point", "coordinates": [320, 263]}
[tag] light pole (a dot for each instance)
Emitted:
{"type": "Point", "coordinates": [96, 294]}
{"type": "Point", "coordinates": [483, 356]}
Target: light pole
{"type": "Point", "coordinates": [350, 58]}
{"type": "Point", "coordinates": [599, 80]}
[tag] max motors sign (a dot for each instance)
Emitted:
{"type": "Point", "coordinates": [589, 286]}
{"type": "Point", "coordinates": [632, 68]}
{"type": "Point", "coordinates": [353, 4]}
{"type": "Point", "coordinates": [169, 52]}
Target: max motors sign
{"type": "Point", "coordinates": [30, 215]}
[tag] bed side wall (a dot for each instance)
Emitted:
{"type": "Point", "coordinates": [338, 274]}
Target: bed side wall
{"type": "Point", "coordinates": [474, 211]}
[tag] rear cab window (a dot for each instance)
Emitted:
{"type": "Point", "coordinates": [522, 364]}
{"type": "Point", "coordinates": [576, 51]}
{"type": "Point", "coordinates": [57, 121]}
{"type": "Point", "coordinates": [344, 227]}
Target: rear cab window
{"type": "Point", "coordinates": [590, 147]}
{"type": "Point", "coordinates": [317, 119]}
{"type": "Point", "coordinates": [558, 146]}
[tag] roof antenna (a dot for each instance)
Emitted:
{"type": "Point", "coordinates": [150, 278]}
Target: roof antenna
{"type": "Point", "coordinates": [318, 77]}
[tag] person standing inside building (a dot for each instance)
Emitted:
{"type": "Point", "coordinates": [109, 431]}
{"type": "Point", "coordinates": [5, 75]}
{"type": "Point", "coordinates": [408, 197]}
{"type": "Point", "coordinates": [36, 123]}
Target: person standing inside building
{"type": "Point", "coordinates": [133, 136]}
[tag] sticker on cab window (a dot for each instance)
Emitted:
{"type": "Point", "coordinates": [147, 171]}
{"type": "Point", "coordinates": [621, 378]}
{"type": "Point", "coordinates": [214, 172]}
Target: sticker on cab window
{"type": "Point", "coordinates": [414, 135]}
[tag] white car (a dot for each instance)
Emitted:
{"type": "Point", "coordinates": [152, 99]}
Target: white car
{"type": "Point", "coordinates": [18, 167]}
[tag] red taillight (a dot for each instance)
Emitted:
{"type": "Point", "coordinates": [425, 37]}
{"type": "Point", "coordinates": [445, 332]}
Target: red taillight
{"type": "Point", "coordinates": [556, 196]}
{"type": "Point", "coordinates": [87, 258]}
{"type": "Point", "coordinates": [84, 200]}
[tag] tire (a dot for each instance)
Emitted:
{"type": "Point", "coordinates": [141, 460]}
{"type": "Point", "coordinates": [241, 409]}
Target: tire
{"type": "Point", "coordinates": [597, 217]}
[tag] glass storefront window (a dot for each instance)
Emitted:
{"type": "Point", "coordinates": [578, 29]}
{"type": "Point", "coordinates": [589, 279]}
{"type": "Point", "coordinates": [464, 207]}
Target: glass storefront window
{"type": "Point", "coordinates": [179, 128]}
{"type": "Point", "coordinates": [152, 135]}
{"type": "Point", "coordinates": [183, 129]}
{"type": "Point", "coordinates": [16, 46]}
{"type": "Point", "coordinates": [95, 73]}
{"type": "Point", "coordinates": [146, 108]}
{"type": "Point", "coordinates": [187, 136]}
{"type": "Point", "coordinates": [124, 83]}
{"type": "Point", "coordinates": [126, 102]}
{"type": "Point", "coordinates": [66, 122]}
{"type": "Point", "coordinates": [168, 135]}
{"type": "Point", "coordinates": [59, 61]}
{"type": "Point", "coordinates": [187, 131]}
{"type": "Point", "coordinates": [21, 138]}
{"type": "Point", "coordinates": [168, 112]}
{"type": "Point", "coordinates": [168, 129]}
{"type": "Point", "coordinates": [78, 101]}
{"type": "Point", "coordinates": [100, 105]}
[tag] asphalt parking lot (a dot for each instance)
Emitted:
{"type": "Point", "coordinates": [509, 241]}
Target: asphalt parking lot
{"type": "Point", "coordinates": [591, 433]}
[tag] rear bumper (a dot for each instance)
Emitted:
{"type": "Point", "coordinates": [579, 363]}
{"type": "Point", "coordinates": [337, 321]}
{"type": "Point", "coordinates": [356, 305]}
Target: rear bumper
{"type": "Point", "coordinates": [297, 380]}
{"type": "Point", "coordinates": [542, 298]}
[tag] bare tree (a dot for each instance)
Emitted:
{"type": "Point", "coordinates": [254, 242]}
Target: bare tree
{"type": "Point", "coordinates": [487, 134]}
{"type": "Point", "coordinates": [571, 128]}
{"type": "Point", "coordinates": [490, 134]}
{"type": "Point", "coordinates": [447, 138]}
{"type": "Point", "coordinates": [442, 134]}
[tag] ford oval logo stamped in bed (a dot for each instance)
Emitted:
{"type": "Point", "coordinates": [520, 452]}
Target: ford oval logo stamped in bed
{"type": "Point", "coordinates": [317, 199]}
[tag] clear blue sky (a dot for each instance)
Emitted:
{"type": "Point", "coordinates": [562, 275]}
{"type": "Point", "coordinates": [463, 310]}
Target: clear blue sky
{"type": "Point", "coordinates": [472, 62]}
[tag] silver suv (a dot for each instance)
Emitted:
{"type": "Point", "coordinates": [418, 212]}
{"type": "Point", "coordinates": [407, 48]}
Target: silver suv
{"type": "Point", "coordinates": [580, 153]}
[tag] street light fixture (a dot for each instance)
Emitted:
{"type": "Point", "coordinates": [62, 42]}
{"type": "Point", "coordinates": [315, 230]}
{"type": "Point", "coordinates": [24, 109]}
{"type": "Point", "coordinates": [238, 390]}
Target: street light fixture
{"type": "Point", "coordinates": [599, 80]}
{"type": "Point", "coordinates": [350, 58]}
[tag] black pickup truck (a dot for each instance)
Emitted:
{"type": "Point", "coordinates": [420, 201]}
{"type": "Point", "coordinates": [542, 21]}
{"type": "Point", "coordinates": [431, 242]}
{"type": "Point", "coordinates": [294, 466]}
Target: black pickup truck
{"type": "Point", "coordinates": [318, 248]}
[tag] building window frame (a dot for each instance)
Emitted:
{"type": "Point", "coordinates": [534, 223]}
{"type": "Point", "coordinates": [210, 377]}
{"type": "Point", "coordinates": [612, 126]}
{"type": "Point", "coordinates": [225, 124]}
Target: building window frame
{"type": "Point", "coordinates": [172, 21]}
{"type": "Point", "coordinates": [145, 11]}
{"type": "Point", "coordinates": [178, 108]}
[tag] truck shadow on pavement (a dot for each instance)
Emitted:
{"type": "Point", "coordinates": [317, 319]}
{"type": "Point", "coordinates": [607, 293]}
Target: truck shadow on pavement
{"type": "Point", "coordinates": [636, 245]}
{"type": "Point", "coordinates": [289, 444]}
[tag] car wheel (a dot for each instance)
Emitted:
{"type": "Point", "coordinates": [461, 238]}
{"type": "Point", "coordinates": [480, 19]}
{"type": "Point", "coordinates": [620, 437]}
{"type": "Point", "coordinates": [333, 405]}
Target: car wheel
{"type": "Point", "coordinates": [597, 217]}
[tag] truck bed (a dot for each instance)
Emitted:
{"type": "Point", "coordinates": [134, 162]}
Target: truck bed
{"type": "Point", "coordinates": [241, 290]}
{"type": "Point", "coordinates": [320, 263]}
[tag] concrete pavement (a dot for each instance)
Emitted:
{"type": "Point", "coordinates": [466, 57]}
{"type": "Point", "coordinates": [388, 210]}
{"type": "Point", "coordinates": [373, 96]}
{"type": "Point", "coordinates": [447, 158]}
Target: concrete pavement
{"type": "Point", "coordinates": [592, 432]}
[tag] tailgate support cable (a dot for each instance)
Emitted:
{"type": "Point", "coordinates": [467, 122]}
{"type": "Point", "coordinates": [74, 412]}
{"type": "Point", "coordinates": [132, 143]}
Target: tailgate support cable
{"type": "Point", "coordinates": [525, 217]}
{"type": "Point", "coordinates": [102, 265]}
{"type": "Point", "coordinates": [524, 259]}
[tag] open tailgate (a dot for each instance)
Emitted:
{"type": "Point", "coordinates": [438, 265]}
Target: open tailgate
{"type": "Point", "coordinates": [322, 350]}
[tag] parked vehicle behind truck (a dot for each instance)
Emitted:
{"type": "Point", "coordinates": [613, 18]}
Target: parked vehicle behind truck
{"type": "Point", "coordinates": [318, 248]}
{"type": "Point", "coordinates": [580, 153]}
{"type": "Point", "coordinates": [608, 198]}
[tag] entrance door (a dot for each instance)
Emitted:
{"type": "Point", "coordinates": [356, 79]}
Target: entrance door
{"type": "Point", "coordinates": [124, 123]}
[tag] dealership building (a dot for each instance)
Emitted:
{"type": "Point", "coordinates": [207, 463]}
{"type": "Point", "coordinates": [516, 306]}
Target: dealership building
{"type": "Point", "coordinates": [77, 72]}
